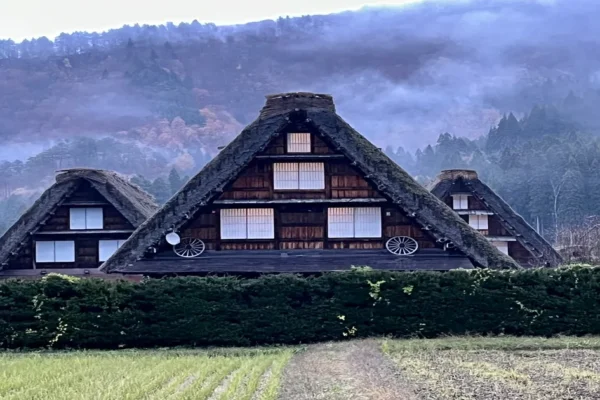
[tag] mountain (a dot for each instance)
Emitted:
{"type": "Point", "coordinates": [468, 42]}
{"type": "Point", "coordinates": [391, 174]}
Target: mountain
{"type": "Point", "coordinates": [401, 75]}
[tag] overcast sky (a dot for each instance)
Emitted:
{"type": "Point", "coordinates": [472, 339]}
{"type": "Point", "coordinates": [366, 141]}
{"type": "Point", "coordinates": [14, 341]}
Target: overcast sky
{"type": "Point", "coordinates": [21, 19]}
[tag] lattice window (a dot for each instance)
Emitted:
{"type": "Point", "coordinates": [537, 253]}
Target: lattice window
{"type": "Point", "coordinates": [460, 201]}
{"type": "Point", "coordinates": [302, 176]}
{"type": "Point", "coordinates": [253, 223]}
{"type": "Point", "coordinates": [298, 143]}
{"type": "Point", "coordinates": [107, 248]}
{"type": "Point", "coordinates": [354, 222]}
{"type": "Point", "coordinates": [285, 176]}
{"type": "Point", "coordinates": [479, 222]}
{"type": "Point", "coordinates": [86, 218]}
{"type": "Point", "coordinates": [502, 246]}
{"type": "Point", "coordinates": [55, 251]}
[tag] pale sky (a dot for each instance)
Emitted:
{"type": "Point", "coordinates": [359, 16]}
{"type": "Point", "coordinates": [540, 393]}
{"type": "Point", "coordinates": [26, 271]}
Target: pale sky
{"type": "Point", "coordinates": [21, 19]}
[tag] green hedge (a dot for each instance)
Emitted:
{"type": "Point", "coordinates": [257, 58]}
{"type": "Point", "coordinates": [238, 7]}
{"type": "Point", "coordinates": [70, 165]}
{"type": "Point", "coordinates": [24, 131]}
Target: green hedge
{"type": "Point", "coordinates": [92, 313]}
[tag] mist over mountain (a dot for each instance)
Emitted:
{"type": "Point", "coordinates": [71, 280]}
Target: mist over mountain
{"type": "Point", "coordinates": [399, 75]}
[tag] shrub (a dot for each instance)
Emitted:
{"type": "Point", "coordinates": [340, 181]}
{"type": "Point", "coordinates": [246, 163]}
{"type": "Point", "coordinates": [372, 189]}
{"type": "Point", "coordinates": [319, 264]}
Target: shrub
{"type": "Point", "coordinates": [60, 312]}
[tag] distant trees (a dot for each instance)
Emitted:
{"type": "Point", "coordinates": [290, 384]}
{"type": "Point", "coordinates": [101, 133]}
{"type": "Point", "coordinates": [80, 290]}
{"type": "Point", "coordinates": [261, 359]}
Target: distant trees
{"type": "Point", "coordinates": [543, 165]}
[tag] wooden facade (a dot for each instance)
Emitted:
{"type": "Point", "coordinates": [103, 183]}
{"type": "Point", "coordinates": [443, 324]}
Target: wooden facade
{"type": "Point", "coordinates": [505, 228]}
{"type": "Point", "coordinates": [75, 225]}
{"type": "Point", "coordinates": [299, 190]}
{"type": "Point", "coordinates": [57, 228]}
{"type": "Point", "coordinates": [300, 216]}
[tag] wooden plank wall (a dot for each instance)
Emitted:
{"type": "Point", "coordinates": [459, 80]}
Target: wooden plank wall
{"type": "Point", "coordinates": [301, 227]}
{"type": "Point", "coordinates": [86, 248]}
{"type": "Point", "coordinates": [520, 253]}
{"type": "Point", "coordinates": [341, 181]}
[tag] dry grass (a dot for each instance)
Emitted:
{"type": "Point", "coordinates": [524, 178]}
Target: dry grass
{"type": "Point", "coordinates": [169, 374]}
{"type": "Point", "coordinates": [340, 371]}
{"type": "Point", "coordinates": [499, 368]}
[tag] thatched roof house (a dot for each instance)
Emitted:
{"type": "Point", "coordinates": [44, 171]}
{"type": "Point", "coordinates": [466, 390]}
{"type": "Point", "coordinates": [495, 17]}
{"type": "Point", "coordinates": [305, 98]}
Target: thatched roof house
{"type": "Point", "coordinates": [112, 206]}
{"type": "Point", "coordinates": [478, 204]}
{"type": "Point", "coordinates": [350, 172]}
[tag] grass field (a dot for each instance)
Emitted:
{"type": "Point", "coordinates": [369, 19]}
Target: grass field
{"type": "Point", "coordinates": [499, 368]}
{"type": "Point", "coordinates": [467, 368]}
{"type": "Point", "coordinates": [169, 374]}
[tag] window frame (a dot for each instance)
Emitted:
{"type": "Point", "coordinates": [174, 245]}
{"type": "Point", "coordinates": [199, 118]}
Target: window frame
{"type": "Point", "coordinates": [288, 142]}
{"type": "Point", "coordinates": [55, 261]}
{"type": "Point", "coordinates": [247, 230]}
{"type": "Point", "coordinates": [458, 198]}
{"type": "Point", "coordinates": [119, 244]}
{"type": "Point", "coordinates": [504, 245]}
{"type": "Point", "coordinates": [479, 218]}
{"type": "Point", "coordinates": [298, 171]}
{"type": "Point", "coordinates": [355, 210]}
{"type": "Point", "coordinates": [85, 216]}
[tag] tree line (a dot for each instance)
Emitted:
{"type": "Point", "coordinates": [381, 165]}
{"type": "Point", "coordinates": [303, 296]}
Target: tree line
{"type": "Point", "coordinates": [543, 164]}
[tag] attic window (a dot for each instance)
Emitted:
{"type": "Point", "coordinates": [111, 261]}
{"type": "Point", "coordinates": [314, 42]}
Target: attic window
{"type": "Point", "coordinates": [298, 143]}
{"type": "Point", "coordinates": [354, 222]}
{"type": "Point", "coordinates": [479, 222]}
{"type": "Point", "coordinates": [302, 176]}
{"type": "Point", "coordinates": [86, 218]}
{"type": "Point", "coordinates": [460, 201]}
{"type": "Point", "coordinates": [251, 223]}
{"type": "Point", "coordinates": [54, 252]}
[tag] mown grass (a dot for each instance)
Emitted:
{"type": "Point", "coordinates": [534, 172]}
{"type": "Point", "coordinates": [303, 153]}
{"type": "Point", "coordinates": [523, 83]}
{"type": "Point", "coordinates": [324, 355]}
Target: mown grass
{"type": "Point", "coordinates": [499, 367]}
{"type": "Point", "coordinates": [252, 374]}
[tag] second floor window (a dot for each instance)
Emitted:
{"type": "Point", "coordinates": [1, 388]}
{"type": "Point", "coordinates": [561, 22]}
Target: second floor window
{"type": "Point", "coordinates": [479, 222]}
{"type": "Point", "coordinates": [460, 201]}
{"type": "Point", "coordinates": [302, 176]}
{"type": "Point", "coordinates": [86, 218]}
{"type": "Point", "coordinates": [107, 248]}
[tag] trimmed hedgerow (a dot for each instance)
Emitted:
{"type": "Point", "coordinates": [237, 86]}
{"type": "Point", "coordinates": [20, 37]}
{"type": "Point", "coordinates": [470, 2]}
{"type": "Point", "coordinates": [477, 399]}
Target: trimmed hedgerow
{"type": "Point", "coordinates": [60, 311]}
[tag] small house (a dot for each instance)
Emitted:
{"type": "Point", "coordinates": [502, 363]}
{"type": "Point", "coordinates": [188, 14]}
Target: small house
{"type": "Point", "coordinates": [484, 210]}
{"type": "Point", "coordinates": [76, 225]}
{"type": "Point", "coordinates": [299, 190]}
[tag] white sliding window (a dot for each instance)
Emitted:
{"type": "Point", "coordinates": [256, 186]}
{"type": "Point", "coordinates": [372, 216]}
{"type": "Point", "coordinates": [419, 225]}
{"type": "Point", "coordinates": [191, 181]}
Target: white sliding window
{"type": "Point", "coordinates": [460, 201]}
{"type": "Point", "coordinates": [86, 218]}
{"type": "Point", "coordinates": [298, 142]}
{"type": "Point", "coordinates": [285, 176]}
{"type": "Point", "coordinates": [55, 251]}
{"type": "Point", "coordinates": [107, 248]}
{"type": "Point", "coordinates": [502, 246]}
{"type": "Point", "coordinates": [302, 176]}
{"type": "Point", "coordinates": [479, 222]}
{"type": "Point", "coordinates": [354, 222]}
{"type": "Point", "coordinates": [251, 223]}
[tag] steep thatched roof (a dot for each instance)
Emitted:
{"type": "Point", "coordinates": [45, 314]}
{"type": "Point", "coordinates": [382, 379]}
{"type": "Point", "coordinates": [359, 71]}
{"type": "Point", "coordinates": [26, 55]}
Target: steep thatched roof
{"type": "Point", "coordinates": [131, 201]}
{"type": "Point", "coordinates": [468, 181]}
{"type": "Point", "coordinates": [319, 111]}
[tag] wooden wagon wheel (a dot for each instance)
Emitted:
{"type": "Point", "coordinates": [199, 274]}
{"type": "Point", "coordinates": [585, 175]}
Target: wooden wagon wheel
{"type": "Point", "coordinates": [189, 247]}
{"type": "Point", "coordinates": [402, 245]}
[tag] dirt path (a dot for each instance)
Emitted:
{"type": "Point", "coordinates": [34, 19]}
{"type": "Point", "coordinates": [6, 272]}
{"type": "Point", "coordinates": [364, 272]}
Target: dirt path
{"type": "Point", "coordinates": [339, 371]}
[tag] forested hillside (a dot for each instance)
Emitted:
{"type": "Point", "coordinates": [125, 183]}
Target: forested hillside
{"type": "Point", "coordinates": [149, 100]}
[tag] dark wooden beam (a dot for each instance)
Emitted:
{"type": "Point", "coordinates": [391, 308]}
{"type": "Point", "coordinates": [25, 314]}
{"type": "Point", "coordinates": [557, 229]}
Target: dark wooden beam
{"type": "Point", "coordinates": [301, 201]}
{"type": "Point", "coordinates": [300, 157]}
{"type": "Point", "coordinates": [85, 203]}
{"type": "Point", "coordinates": [83, 232]}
